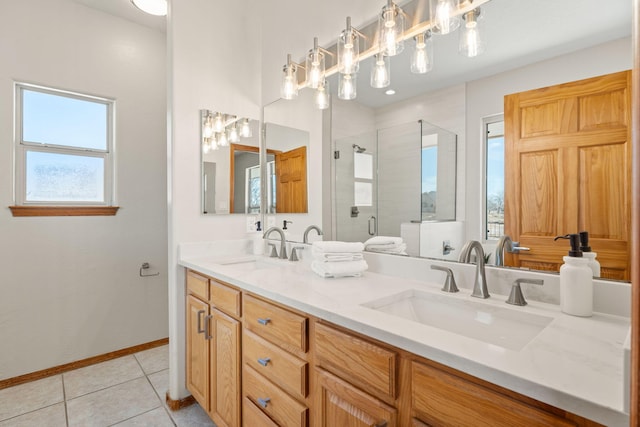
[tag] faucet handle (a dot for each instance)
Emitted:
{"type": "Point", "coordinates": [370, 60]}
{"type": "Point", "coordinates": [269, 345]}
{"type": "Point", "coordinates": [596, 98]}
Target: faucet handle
{"type": "Point", "coordinates": [516, 297]}
{"type": "Point", "coordinates": [274, 252]}
{"type": "Point", "coordinates": [516, 248]}
{"type": "Point", "coordinates": [294, 253]}
{"type": "Point", "coordinates": [450, 281]}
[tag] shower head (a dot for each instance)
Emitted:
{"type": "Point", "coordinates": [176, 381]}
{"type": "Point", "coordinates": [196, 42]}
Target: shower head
{"type": "Point", "coordinates": [358, 149]}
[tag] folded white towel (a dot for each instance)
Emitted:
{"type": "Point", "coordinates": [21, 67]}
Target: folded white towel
{"type": "Point", "coordinates": [339, 269]}
{"type": "Point", "coordinates": [399, 249]}
{"type": "Point", "coordinates": [384, 240]}
{"type": "Point", "coordinates": [384, 247]}
{"type": "Point", "coordinates": [327, 246]}
{"type": "Point", "coordinates": [336, 256]}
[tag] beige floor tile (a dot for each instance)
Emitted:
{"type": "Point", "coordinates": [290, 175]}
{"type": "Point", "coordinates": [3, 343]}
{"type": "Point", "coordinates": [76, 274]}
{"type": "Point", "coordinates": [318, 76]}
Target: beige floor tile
{"type": "Point", "coordinates": [28, 397]}
{"type": "Point", "coordinates": [154, 359]}
{"type": "Point", "coordinates": [112, 405]}
{"type": "Point", "coordinates": [155, 418]}
{"type": "Point", "coordinates": [160, 383]}
{"type": "Point", "coordinates": [52, 416]}
{"type": "Point", "coordinates": [191, 416]}
{"type": "Point", "coordinates": [102, 375]}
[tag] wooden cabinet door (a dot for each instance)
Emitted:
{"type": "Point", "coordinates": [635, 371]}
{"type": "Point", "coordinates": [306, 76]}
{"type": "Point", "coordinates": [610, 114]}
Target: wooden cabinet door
{"type": "Point", "coordinates": [291, 181]}
{"type": "Point", "coordinates": [225, 370]}
{"type": "Point", "coordinates": [568, 169]}
{"type": "Point", "coordinates": [338, 403]}
{"type": "Point", "coordinates": [197, 350]}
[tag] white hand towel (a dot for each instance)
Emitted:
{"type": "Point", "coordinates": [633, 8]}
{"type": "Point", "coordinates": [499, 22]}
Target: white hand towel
{"type": "Point", "coordinates": [399, 250]}
{"type": "Point", "coordinates": [339, 269]}
{"type": "Point", "coordinates": [383, 240]}
{"type": "Point", "coordinates": [336, 256]}
{"type": "Point", "coordinates": [327, 246]}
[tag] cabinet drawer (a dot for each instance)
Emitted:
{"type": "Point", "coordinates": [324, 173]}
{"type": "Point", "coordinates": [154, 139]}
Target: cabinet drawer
{"type": "Point", "coordinates": [252, 416]}
{"type": "Point", "coordinates": [224, 298]}
{"type": "Point", "coordinates": [283, 369]}
{"type": "Point", "coordinates": [442, 399]}
{"type": "Point", "coordinates": [366, 365]}
{"type": "Point", "coordinates": [283, 328]}
{"type": "Point", "coordinates": [274, 402]}
{"type": "Point", "coordinates": [198, 285]}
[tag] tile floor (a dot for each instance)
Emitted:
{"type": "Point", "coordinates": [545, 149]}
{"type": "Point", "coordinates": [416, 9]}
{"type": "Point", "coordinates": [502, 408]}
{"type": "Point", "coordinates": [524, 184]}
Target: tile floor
{"type": "Point", "coordinates": [124, 392]}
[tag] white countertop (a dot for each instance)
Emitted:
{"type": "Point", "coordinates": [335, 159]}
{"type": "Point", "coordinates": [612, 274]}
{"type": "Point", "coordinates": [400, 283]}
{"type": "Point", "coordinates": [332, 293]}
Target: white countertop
{"type": "Point", "coordinates": [575, 364]}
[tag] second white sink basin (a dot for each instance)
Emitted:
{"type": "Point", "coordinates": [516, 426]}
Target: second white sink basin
{"type": "Point", "coordinates": [250, 262]}
{"type": "Point", "coordinates": [504, 327]}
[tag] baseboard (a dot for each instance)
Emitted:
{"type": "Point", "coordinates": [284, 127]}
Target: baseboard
{"type": "Point", "coordinates": [33, 376]}
{"type": "Point", "coordinates": [176, 405]}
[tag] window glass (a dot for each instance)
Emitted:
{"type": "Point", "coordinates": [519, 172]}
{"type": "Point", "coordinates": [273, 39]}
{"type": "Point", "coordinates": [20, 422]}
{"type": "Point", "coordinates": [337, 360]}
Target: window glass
{"type": "Point", "coordinates": [429, 182]}
{"type": "Point", "coordinates": [494, 179]}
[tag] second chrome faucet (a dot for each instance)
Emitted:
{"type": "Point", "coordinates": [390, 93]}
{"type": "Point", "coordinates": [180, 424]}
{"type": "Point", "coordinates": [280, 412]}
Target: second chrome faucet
{"type": "Point", "coordinates": [480, 289]}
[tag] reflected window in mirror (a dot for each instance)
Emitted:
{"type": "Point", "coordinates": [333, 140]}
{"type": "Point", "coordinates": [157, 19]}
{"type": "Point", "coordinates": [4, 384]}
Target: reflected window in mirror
{"type": "Point", "coordinates": [494, 176]}
{"type": "Point", "coordinates": [271, 184]}
{"type": "Point", "coordinates": [429, 176]}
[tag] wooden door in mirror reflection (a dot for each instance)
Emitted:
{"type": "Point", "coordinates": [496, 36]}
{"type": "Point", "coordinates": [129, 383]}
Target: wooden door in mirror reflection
{"type": "Point", "coordinates": [568, 169]}
{"type": "Point", "coordinates": [291, 181]}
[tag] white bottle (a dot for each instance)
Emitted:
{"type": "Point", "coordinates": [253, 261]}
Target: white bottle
{"type": "Point", "coordinates": [594, 264]}
{"type": "Point", "coordinates": [576, 281]}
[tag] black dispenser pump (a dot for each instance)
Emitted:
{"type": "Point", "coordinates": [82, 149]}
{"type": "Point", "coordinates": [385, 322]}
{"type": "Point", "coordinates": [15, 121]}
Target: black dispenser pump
{"type": "Point", "coordinates": [584, 241]}
{"type": "Point", "coordinates": [574, 241]}
{"type": "Point", "coordinates": [258, 226]}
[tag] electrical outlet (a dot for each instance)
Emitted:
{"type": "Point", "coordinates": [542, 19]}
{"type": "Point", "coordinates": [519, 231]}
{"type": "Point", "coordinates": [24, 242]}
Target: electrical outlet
{"type": "Point", "coordinates": [251, 223]}
{"type": "Point", "coordinates": [271, 221]}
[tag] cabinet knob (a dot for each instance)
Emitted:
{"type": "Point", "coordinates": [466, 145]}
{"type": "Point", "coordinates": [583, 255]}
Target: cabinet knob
{"type": "Point", "coordinates": [263, 402]}
{"type": "Point", "coordinates": [264, 361]}
{"type": "Point", "coordinates": [264, 321]}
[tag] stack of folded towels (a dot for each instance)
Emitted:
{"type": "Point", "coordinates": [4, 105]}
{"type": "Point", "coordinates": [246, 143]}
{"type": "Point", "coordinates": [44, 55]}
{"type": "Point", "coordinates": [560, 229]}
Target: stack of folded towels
{"type": "Point", "coordinates": [338, 259]}
{"type": "Point", "coordinates": [386, 245]}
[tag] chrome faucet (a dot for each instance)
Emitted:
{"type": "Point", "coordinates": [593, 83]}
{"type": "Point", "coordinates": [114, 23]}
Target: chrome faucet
{"type": "Point", "coordinates": [305, 237]}
{"type": "Point", "coordinates": [283, 245]}
{"type": "Point", "coordinates": [480, 289]}
{"type": "Point", "coordinates": [506, 244]}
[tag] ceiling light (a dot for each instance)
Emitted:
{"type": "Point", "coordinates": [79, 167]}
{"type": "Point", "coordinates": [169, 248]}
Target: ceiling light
{"type": "Point", "coordinates": [152, 7]}
{"type": "Point", "coordinates": [442, 15]}
{"type": "Point", "coordinates": [422, 59]}
{"type": "Point", "coordinates": [380, 72]}
{"type": "Point", "coordinates": [471, 44]}
{"type": "Point", "coordinates": [391, 29]}
{"type": "Point", "coordinates": [349, 50]}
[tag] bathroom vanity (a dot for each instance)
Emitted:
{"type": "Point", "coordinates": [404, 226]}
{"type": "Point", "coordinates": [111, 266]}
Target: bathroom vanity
{"type": "Point", "coordinates": [269, 343]}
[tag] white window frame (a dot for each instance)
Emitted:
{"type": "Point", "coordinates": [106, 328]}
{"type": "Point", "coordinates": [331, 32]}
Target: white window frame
{"type": "Point", "coordinates": [21, 147]}
{"type": "Point", "coordinates": [485, 139]}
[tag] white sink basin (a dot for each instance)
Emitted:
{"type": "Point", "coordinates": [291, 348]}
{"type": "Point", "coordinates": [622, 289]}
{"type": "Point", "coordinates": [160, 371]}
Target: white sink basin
{"type": "Point", "coordinates": [249, 262]}
{"type": "Point", "coordinates": [504, 327]}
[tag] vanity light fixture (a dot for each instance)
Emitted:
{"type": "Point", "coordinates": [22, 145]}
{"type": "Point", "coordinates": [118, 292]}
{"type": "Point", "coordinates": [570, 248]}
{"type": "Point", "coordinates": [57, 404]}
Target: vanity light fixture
{"type": "Point", "coordinates": [234, 136]}
{"type": "Point", "coordinates": [349, 50]}
{"type": "Point", "coordinates": [380, 72]}
{"type": "Point", "coordinates": [347, 86]}
{"type": "Point", "coordinates": [422, 58]}
{"type": "Point", "coordinates": [315, 66]}
{"type": "Point", "coordinates": [444, 19]}
{"type": "Point", "coordinates": [322, 96]}
{"type": "Point", "coordinates": [218, 123]}
{"type": "Point", "coordinates": [213, 143]}
{"type": "Point", "coordinates": [391, 29]}
{"type": "Point", "coordinates": [471, 44]}
{"type": "Point", "coordinates": [289, 88]}
{"type": "Point", "coordinates": [152, 7]}
{"type": "Point", "coordinates": [207, 124]}
{"type": "Point", "coordinates": [245, 129]}
{"type": "Point", "coordinates": [223, 140]}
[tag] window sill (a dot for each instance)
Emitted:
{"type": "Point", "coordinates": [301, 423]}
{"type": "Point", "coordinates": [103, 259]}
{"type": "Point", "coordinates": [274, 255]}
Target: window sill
{"type": "Point", "coordinates": [64, 210]}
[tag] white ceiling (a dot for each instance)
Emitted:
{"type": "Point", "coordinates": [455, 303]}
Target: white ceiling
{"type": "Point", "coordinates": [517, 32]}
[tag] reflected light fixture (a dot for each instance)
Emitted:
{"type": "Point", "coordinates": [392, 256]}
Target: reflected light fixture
{"type": "Point", "coordinates": [218, 123]}
{"type": "Point", "coordinates": [207, 124]}
{"type": "Point", "coordinates": [152, 7]}
{"type": "Point", "coordinates": [349, 50]}
{"type": "Point", "coordinates": [444, 20]}
{"type": "Point", "coordinates": [391, 29]}
{"type": "Point", "coordinates": [380, 72]}
{"type": "Point", "coordinates": [214, 142]}
{"type": "Point", "coordinates": [422, 59]}
{"type": "Point", "coordinates": [471, 44]}
{"type": "Point", "coordinates": [223, 141]}
{"type": "Point", "coordinates": [245, 129]}
{"type": "Point", "coordinates": [322, 97]}
{"type": "Point", "coordinates": [289, 88]}
{"type": "Point", "coordinates": [234, 136]}
{"type": "Point", "coordinates": [347, 86]}
{"type": "Point", "coordinates": [315, 67]}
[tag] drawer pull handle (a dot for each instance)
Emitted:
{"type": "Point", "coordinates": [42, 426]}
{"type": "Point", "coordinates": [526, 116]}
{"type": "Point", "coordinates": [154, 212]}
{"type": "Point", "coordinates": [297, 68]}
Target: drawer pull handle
{"type": "Point", "coordinates": [200, 328]}
{"type": "Point", "coordinates": [264, 402]}
{"type": "Point", "coordinates": [381, 424]}
{"type": "Point", "coordinates": [264, 321]}
{"type": "Point", "coordinates": [206, 327]}
{"type": "Point", "coordinates": [264, 361]}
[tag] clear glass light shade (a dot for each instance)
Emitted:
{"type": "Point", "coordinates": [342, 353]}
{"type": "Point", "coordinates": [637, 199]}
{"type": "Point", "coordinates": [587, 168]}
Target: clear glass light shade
{"type": "Point", "coordinates": [347, 86]}
{"type": "Point", "coordinates": [442, 13]}
{"type": "Point", "coordinates": [390, 29]}
{"type": "Point", "coordinates": [422, 58]}
{"type": "Point", "coordinates": [349, 50]}
{"type": "Point", "coordinates": [289, 89]}
{"type": "Point", "coordinates": [213, 145]}
{"type": "Point", "coordinates": [206, 145]}
{"type": "Point", "coordinates": [218, 123]}
{"type": "Point", "coordinates": [380, 72]}
{"type": "Point", "coordinates": [471, 44]}
{"type": "Point", "coordinates": [322, 97]}
{"type": "Point", "coordinates": [152, 7]}
{"type": "Point", "coordinates": [234, 136]}
{"type": "Point", "coordinates": [315, 66]}
{"type": "Point", "coordinates": [223, 141]}
{"type": "Point", "coordinates": [245, 129]}
{"type": "Point", "coordinates": [207, 125]}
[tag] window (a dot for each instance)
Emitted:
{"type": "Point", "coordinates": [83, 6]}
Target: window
{"type": "Point", "coordinates": [64, 148]}
{"type": "Point", "coordinates": [429, 176]}
{"type": "Point", "coordinates": [494, 176]}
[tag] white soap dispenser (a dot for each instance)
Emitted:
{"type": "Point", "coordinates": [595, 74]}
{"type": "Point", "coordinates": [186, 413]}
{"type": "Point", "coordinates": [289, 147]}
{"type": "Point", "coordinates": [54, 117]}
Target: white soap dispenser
{"type": "Point", "coordinates": [576, 281]}
{"type": "Point", "coordinates": [594, 264]}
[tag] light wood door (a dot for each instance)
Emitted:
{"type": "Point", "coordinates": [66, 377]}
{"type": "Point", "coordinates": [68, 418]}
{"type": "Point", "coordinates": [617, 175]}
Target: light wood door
{"type": "Point", "coordinates": [225, 370]}
{"type": "Point", "coordinates": [198, 350]}
{"type": "Point", "coordinates": [291, 181]}
{"type": "Point", "coordinates": [338, 403]}
{"type": "Point", "coordinates": [568, 169]}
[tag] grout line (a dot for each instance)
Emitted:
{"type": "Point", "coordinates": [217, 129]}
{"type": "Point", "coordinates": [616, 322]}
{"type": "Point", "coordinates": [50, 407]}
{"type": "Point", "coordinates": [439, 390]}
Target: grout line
{"type": "Point", "coordinates": [29, 412]}
{"type": "Point", "coordinates": [64, 398]}
{"type": "Point", "coordinates": [112, 385]}
{"type": "Point", "coordinates": [130, 418]}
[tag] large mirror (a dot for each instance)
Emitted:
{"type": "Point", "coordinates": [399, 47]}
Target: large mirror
{"type": "Point", "coordinates": [529, 45]}
{"type": "Point", "coordinates": [230, 164]}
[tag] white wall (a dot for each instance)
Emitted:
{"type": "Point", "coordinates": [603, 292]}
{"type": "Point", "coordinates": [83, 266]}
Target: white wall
{"type": "Point", "coordinates": [69, 287]}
